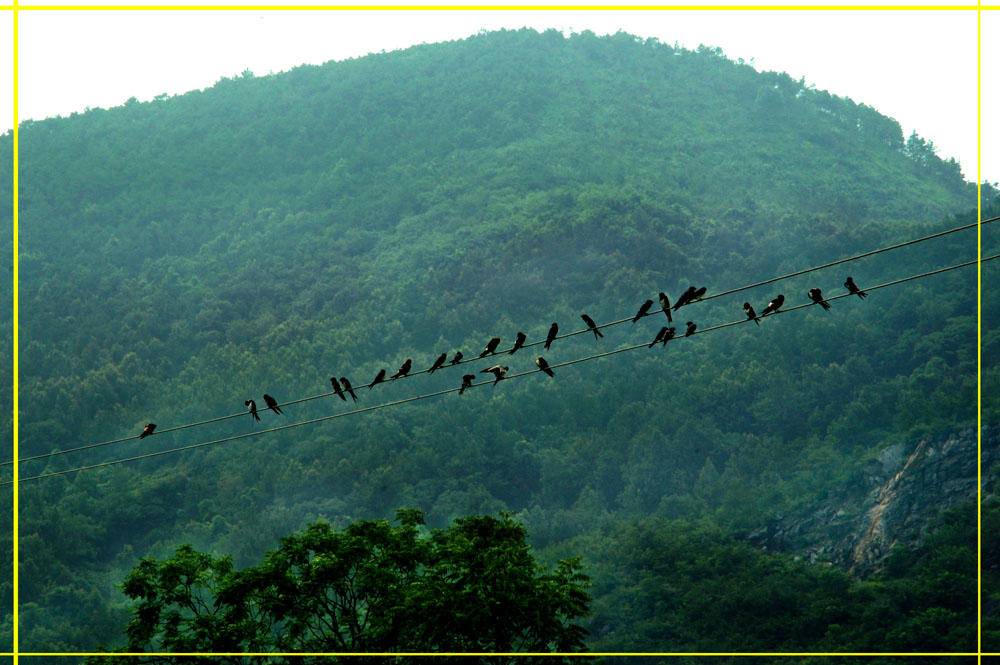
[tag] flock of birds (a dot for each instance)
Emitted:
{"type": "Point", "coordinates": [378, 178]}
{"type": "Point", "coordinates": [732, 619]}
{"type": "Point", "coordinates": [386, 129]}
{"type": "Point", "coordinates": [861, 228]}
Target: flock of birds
{"type": "Point", "coordinates": [666, 333]}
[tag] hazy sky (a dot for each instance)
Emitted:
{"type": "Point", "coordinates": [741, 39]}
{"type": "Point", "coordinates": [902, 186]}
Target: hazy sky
{"type": "Point", "coordinates": [918, 67]}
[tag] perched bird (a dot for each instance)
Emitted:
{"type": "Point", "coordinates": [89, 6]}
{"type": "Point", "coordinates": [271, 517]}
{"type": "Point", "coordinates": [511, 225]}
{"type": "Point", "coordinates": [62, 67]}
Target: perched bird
{"type": "Point", "coordinates": [748, 310]}
{"type": "Point", "coordinates": [544, 366]}
{"type": "Point", "coordinates": [691, 326]}
{"type": "Point", "coordinates": [685, 298]}
{"type": "Point", "coordinates": [593, 326]}
{"type": "Point", "coordinates": [272, 403]}
{"type": "Point", "coordinates": [379, 378]}
{"type": "Point", "coordinates": [403, 370]}
{"type": "Point", "coordinates": [817, 297]}
{"type": "Point", "coordinates": [659, 336]}
{"type": "Point", "coordinates": [519, 342]}
{"type": "Point", "coordinates": [336, 388]}
{"type": "Point", "coordinates": [147, 430]}
{"type": "Point", "coordinates": [439, 363]}
{"type": "Point", "coordinates": [697, 295]}
{"type": "Point", "coordinates": [498, 371]}
{"type": "Point", "coordinates": [466, 382]}
{"type": "Point", "coordinates": [347, 386]}
{"type": "Point", "coordinates": [457, 359]}
{"type": "Point", "coordinates": [669, 335]}
{"type": "Point", "coordinates": [252, 405]}
{"type": "Point", "coordinates": [774, 305]}
{"type": "Point", "coordinates": [553, 331]}
{"type": "Point", "coordinates": [853, 288]}
{"type": "Point", "coordinates": [642, 311]}
{"type": "Point", "coordinates": [491, 346]}
{"type": "Point", "coordinates": [665, 306]}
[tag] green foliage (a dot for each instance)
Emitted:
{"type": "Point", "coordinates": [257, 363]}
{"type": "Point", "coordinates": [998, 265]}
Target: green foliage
{"type": "Point", "coordinates": [371, 587]}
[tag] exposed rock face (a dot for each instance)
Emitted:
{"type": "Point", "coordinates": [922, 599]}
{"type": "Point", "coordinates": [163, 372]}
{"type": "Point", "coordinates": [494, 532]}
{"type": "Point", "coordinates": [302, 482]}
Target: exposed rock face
{"type": "Point", "coordinates": [889, 503]}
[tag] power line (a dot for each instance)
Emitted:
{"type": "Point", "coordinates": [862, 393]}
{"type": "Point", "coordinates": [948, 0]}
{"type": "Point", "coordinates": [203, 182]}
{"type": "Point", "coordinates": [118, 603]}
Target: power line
{"type": "Point", "coordinates": [451, 390]}
{"type": "Point", "coordinates": [507, 350]}
{"type": "Point", "coordinates": [501, 352]}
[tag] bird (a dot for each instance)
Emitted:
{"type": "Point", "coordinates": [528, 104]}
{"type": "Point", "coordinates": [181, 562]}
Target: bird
{"type": "Point", "coordinates": [685, 298]}
{"type": "Point", "coordinates": [748, 310]}
{"type": "Point", "coordinates": [816, 296]}
{"type": "Point", "coordinates": [642, 311]}
{"type": "Point", "coordinates": [147, 430]}
{"type": "Point", "coordinates": [498, 371]}
{"type": "Point", "coordinates": [591, 325]}
{"type": "Point", "coordinates": [665, 306]}
{"type": "Point", "coordinates": [272, 403]}
{"type": "Point", "coordinates": [853, 288]}
{"type": "Point", "coordinates": [519, 342]}
{"type": "Point", "coordinates": [691, 326]}
{"type": "Point", "coordinates": [347, 386]}
{"type": "Point", "coordinates": [774, 305]}
{"type": "Point", "coordinates": [403, 370]}
{"type": "Point", "coordinates": [439, 363]}
{"type": "Point", "coordinates": [336, 388]}
{"type": "Point", "coordinates": [466, 382]}
{"type": "Point", "coordinates": [669, 335]}
{"type": "Point", "coordinates": [491, 346]}
{"type": "Point", "coordinates": [252, 405]}
{"type": "Point", "coordinates": [457, 359]}
{"type": "Point", "coordinates": [379, 378]}
{"type": "Point", "coordinates": [544, 366]}
{"type": "Point", "coordinates": [697, 295]}
{"type": "Point", "coordinates": [659, 336]}
{"type": "Point", "coordinates": [553, 331]}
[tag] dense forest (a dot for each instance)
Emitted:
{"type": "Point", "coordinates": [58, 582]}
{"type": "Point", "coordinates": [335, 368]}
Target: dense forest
{"type": "Point", "coordinates": [181, 256]}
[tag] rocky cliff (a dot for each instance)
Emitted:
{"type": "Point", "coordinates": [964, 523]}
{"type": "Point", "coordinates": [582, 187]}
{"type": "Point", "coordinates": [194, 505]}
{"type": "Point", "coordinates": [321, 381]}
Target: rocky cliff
{"type": "Point", "coordinates": [888, 503]}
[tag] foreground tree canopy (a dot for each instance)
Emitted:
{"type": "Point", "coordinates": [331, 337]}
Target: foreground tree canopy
{"type": "Point", "coordinates": [372, 587]}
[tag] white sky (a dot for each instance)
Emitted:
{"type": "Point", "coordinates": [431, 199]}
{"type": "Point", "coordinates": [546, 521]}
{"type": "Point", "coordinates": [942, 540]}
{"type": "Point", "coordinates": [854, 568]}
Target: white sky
{"type": "Point", "coordinates": [918, 67]}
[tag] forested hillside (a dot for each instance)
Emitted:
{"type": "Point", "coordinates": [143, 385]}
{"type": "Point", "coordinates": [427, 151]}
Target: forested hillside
{"type": "Point", "coordinates": [181, 256]}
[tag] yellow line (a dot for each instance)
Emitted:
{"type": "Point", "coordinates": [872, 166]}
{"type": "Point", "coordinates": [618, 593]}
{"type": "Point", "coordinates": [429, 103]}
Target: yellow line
{"type": "Point", "coordinates": [979, 334]}
{"type": "Point", "coordinates": [16, 455]}
{"type": "Point", "coordinates": [499, 7]}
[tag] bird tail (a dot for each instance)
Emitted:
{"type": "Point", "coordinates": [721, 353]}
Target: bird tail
{"type": "Point", "coordinates": [756, 320]}
{"type": "Point", "coordinates": [825, 305]}
{"type": "Point", "coordinates": [862, 294]}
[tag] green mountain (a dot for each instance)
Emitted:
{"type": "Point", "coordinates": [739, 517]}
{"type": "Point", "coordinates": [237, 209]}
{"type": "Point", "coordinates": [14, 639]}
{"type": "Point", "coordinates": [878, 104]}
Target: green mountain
{"type": "Point", "coordinates": [181, 256]}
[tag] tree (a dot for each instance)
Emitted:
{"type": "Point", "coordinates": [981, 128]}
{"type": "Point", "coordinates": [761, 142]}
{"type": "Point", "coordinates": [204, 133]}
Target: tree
{"type": "Point", "coordinates": [373, 587]}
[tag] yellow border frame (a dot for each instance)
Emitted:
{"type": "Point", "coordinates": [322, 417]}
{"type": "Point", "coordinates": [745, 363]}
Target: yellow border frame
{"type": "Point", "coordinates": [978, 8]}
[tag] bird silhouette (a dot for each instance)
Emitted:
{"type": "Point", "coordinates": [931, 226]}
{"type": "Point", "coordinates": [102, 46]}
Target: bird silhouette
{"type": "Point", "coordinates": [499, 371]}
{"type": "Point", "coordinates": [403, 370]}
{"type": "Point", "coordinates": [691, 326]}
{"type": "Point", "coordinates": [669, 335]}
{"type": "Point", "coordinates": [774, 305]}
{"type": "Point", "coordinates": [272, 403]}
{"type": "Point", "coordinates": [457, 359]}
{"type": "Point", "coordinates": [347, 386]}
{"type": "Point", "coordinates": [252, 405]}
{"type": "Point", "coordinates": [544, 366]}
{"type": "Point", "coordinates": [853, 288]}
{"type": "Point", "coordinates": [591, 325]}
{"type": "Point", "coordinates": [643, 308]}
{"type": "Point", "coordinates": [748, 310]}
{"type": "Point", "coordinates": [336, 388]}
{"type": "Point", "coordinates": [438, 364]}
{"type": "Point", "coordinates": [659, 336]}
{"type": "Point", "coordinates": [665, 306]}
{"type": "Point", "coordinates": [816, 296]}
{"type": "Point", "coordinates": [553, 331]}
{"type": "Point", "coordinates": [491, 346]}
{"type": "Point", "coordinates": [379, 378]}
{"type": "Point", "coordinates": [519, 342]}
{"type": "Point", "coordinates": [699, 293]}
{"type": "Point", "coordinates": [147, 430]}
{"type": "Point", "coordinates": [466, 382]}
{"type": "Point", "coordinates": [685, 298]}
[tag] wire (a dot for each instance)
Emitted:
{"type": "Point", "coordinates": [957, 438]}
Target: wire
{"type": "Point", "coordinates": [503, 351]}
{"type": "Point", "coordinates": [451, 390]}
